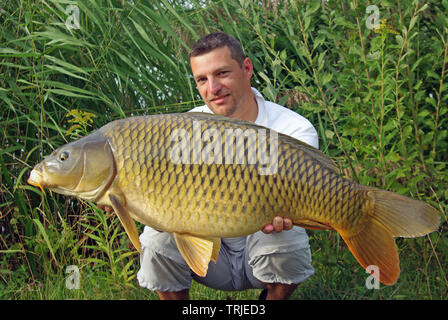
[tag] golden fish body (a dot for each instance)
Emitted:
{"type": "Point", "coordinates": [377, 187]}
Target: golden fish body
{"type": "Point", "coordinates": [217, 199]}
{"type": "Point", "coordinates": [203, 177]}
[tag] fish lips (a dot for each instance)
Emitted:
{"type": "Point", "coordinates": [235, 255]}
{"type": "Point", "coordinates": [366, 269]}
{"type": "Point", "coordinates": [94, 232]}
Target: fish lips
{"type": "Point", "coordinates": [35, 178]}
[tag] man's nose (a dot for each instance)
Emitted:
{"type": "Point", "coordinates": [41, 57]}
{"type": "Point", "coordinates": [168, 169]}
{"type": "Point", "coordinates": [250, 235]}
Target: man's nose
{"type": "Point", "coordinates": [214, 86]}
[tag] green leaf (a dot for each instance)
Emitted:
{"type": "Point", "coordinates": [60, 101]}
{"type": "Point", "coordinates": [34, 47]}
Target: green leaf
{"type": "Point", "coordinates": [45, 236]}
{"type": "Point", "coordinates": [412, 23]}
{"type": "Point", "coordinates": [423, 8]}
{"type": "Point", "coordinates": [326, 78]}
{"type": "Point", "coordinates": [432, 74]}
{"type": "Point", "coordinates": [312, 8]}
{"type": "Point", "coordinates": [7, 52]}
{"type": "Point", "coordinates": [329, 134]}
{"type": "Point", "coordinates": [307, 22]}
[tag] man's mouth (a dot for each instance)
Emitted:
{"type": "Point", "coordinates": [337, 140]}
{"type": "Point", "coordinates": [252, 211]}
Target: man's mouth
{"type": "Point", "coordinates": [219, 99]}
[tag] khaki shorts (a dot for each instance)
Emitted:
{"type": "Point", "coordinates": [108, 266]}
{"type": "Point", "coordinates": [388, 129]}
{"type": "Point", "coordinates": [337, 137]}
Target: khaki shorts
{"type": "Point", "coordinates": [243, 263]}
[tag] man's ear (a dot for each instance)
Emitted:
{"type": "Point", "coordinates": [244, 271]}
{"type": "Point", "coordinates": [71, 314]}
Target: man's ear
{"type": "Point", "coordinates": [247, 67]}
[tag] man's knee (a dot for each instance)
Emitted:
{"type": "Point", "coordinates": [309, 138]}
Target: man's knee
{"type": "Point", "coordinates": [282, 267]}
{"type": "Point", "coordinates": [162, 268]}
{"type": "Point", "coordinates": [280, 258]}
{"type": "Point", "coordinates": [161, 243]}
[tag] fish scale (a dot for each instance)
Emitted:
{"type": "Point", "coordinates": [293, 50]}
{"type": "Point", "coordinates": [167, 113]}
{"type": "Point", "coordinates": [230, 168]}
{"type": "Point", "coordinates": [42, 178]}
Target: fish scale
{"type": "Point", "coordinates": [128, 164]}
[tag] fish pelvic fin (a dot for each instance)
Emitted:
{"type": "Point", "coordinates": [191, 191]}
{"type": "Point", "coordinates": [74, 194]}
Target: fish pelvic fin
{"type": "Point", "coordinates": [126, 220]}
{"type": "Point", "coordinates": [198, 251]}
{"type": "Point", "coordinates": [392, 215]}
{"type": "Point", "coordinates": [311, 224]}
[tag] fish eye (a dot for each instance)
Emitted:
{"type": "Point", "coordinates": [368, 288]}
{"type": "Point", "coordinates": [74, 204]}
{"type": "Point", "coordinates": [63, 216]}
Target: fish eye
{"type": "Point", "coordinates": [63, 156]}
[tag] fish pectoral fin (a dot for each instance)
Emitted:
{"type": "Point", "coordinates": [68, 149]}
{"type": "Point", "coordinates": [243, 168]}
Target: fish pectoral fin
{"type": "Point", "coordinates": [198, 251]}
{"type": "Point", "coordinates": [125, 219]}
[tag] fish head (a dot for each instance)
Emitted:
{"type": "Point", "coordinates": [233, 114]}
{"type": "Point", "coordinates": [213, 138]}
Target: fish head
{"type": "Point", "coordinates": [83, 168]}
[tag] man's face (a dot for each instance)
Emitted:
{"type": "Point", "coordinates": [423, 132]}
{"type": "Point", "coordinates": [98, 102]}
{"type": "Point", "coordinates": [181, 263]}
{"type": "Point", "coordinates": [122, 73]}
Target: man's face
{"type": "Point", "coordinates": [223, 84]}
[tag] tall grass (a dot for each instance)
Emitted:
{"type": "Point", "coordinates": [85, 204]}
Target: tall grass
{"type": "Point", "coordinates": [377, 97]}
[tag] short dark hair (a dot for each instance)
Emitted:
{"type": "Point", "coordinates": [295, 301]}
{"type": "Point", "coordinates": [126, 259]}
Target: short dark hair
{"type": "Point", "coordinates": [217, 40]}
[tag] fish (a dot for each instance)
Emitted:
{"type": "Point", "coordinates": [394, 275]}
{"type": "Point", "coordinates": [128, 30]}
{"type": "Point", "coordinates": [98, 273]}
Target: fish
{"type": "Point", "coordinates": [204, 177]}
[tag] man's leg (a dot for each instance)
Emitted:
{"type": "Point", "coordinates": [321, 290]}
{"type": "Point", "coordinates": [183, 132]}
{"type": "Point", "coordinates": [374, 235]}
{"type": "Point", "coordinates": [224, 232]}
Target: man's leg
{"type": "Point", "coordinates": [175, 295]}
{"type": "Point", "coordinates": [278, 262]}
{"type": "Point", "coordinates": [279, 291]}
{"type": "Point", "coordinates": [220, 275]}
{"type": "Point", "coordinates": [162, 268]}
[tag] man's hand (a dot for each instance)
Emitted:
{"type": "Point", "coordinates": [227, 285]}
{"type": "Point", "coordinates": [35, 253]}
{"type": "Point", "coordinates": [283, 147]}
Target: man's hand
{"type": "Point", "coordinates": [277, 225]}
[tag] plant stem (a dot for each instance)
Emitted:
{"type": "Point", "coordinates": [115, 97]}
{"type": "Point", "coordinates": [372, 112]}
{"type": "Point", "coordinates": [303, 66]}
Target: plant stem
{"type": "Point", "coordinates": [439, 99]}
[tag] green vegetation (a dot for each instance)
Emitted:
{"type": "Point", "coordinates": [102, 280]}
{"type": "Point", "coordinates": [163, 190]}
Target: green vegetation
{"type": "Point", "coordinates": [378, 97]}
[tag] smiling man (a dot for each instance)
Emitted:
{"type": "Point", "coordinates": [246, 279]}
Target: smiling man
{"type": "Point", "coordinates": [269, 259]}
{"type": "Point", "coordinates": [224, 83]}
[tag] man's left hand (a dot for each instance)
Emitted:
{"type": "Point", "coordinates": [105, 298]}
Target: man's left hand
{"type": "Point", "coordinates": [278, 224]}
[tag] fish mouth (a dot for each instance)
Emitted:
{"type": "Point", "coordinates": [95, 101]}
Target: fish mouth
{"type": "Point", "coordinates": [35, 179]}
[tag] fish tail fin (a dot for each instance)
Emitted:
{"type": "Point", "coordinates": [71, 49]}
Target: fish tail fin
{"type": "Point", "coordinates": [393, 215]}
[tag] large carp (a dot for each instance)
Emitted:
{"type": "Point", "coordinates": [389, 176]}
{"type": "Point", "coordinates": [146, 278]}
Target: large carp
{"type": "Point", "coordinates": [203, 177]}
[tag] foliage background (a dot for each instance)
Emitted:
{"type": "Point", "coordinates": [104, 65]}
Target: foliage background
{"type": "Point", "coordinates": [377, 97]}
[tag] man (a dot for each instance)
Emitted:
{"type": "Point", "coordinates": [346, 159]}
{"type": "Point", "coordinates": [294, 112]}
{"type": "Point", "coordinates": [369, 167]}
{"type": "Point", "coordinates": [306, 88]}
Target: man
{"type": "Point", "coordinates": [269, 259]}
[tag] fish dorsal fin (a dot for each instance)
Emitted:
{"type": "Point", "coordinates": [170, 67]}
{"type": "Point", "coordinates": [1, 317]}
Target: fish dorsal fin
{"type": "Point", "coordinates": [197, 251]}
{"type": "Point", "coordinates": [314, 153]}
{"type": "Point", "coordinates": [129, 225]}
